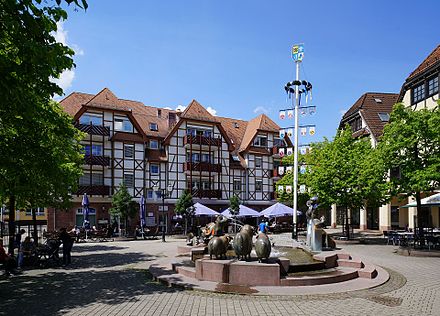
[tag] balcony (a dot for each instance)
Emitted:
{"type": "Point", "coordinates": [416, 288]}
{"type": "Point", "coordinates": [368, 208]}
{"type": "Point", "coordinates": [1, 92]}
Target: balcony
{"type": "Point", "coordinates": [206, 194]}
{"type": "Point", "coordinates": [202, 140]}
{"type": "Point", "coordinates": [93, 129]}
{"type": "Point", "coordinates": [202, 167]}
{"type": "Point", "coordinates": [93, 190]}
{"type": "Point", "coordinates": [97, 160]}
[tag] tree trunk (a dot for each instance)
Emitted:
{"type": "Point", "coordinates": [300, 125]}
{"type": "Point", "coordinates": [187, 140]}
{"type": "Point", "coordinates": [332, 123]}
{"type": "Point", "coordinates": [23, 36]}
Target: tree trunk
{"type": "Point", "coordinates": [419, 218]}
{"type": "Point", "coordinates": [11, 224]}
{"type": "Point", "coordinates": [347, 226]}
{"type": "Point", "coordinates": [186, 225]}
{"type": "Point", "coordinates": [34, 223]}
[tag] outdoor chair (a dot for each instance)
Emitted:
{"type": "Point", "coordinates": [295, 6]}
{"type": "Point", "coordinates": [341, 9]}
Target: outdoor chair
{"type": "Point", "coordinates": [393, 238]}
{"type": "Point", "coordinates": [151, 233]}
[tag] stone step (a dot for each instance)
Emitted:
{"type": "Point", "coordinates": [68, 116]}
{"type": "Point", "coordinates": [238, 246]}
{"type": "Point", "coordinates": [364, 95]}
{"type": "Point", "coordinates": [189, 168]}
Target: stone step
{"type": "Point", "coordinates": [368, 272]}
{"type": "Point", "coordinates": [328, 276]}
{"type": "Point", "coordinates": [350, 263]}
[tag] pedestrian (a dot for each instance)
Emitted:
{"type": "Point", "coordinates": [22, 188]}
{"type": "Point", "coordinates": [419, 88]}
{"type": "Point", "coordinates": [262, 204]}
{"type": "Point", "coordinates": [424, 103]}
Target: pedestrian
{"type": "Point", "coordinates": [263, 227]}
{"type": "Point", "coordinates": [27, 248]}
{"type": "Point", "coordinates": [17, 239]}
{"type": "Point", "coordinates": [8, 261]}
{"type": "Point", "coordinates": [67, 246]}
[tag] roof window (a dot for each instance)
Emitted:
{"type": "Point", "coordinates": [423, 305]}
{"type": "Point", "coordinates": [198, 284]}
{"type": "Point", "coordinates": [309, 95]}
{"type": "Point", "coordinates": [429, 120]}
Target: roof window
{"type": "Point", "coordinates": [378, 100]}
{"type": "Point", "coordinates": [384, 117]}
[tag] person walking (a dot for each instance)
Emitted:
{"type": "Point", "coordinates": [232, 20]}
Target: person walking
{"type": "Point", "coordinates": [67, 246]}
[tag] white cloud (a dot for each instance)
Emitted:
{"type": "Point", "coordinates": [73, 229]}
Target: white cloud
{"type": "Point", "coordinates": [167, 108]}
{"type": "Point", "coordinates": [180, 108]}
{"type": "Point", "coordinates": [261, 109]}
{"type": "Point", "coordinates": [212, 111]}
{"type": "Point", "coordinates": [66, 78]}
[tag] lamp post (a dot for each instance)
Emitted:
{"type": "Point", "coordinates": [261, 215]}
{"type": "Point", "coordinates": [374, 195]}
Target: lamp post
{"type": "Point", "coordinates": [164, 193]}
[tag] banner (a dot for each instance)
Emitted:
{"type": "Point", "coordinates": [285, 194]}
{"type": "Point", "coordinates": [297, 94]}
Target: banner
{"type": "Point", "coordinates": [282, 133]}
{"type": "Point", "coordinates": [298, 52]}
{"type": "Point", "coordinates": [289, 151]}
{"type": "Point", "coordinates": [280, 189]}
{"type": "Point", "coordinates": [302, 188]}
{"type": "Point", "coordinates": [312, 110]}
{"type": "Point", "coordinates": [303, 131]}
{"type": "Point", "coordinates": [288, 189]}
{"type": "Point", "coordinates": [303, 112]}
{"type": "Point", "coordinates": [312, 130]}
{"type": "Point", "coordinates": [303, 150]}
{"type": "Point", "coordinates": [281, 152]}
{"type": "Point", "coordinates": [282, 114]}
{"type": "Point", "coordinates": [302, 169]}
{"type": "Point", "coordinates": [290, 132]}
{"type": "Point", "coordinates": [290, 114]}
{"type": "Point", "coordinates": [289, 169]}
{"type": "Point", "coordinates": [280, 170]}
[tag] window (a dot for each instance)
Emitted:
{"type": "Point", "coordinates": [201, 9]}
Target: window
{"type": "Point", "coordinates": [154, 169]}
{"type": "Point", "coordinates": [154, 144]}
{"type": "Point", "coordinates": [432, 86]}
{"type": "Point", "coordinates": [206, 158]}
{"type": "Point", "coordinates": [94, 150]}
{"type": "Point", "coordinates": [91, 118]}
{"type": "Point", "coordinates": [237, 185]}
{"type": "Point", "coordinates": [260, 141]}
{"type": "Point", "coordinates": [258, 162]}
{"type": "Point", "coordinates": [356, 124]}
{"type": "Point", "coordinates": [384, 117]}
{"type": "Point", "coordinates": [128, 151]}
{"type": "Point", "coordinates": [129, 180]}
{"type": "Point", "coordinates": [159, 113]}
{"type": "Point", "coordinates": [38, 211]}
{"type": "Point", "coordinates": [94, 179]}
{"type": "Point", "coordinates": [377, 100]}
{"type": "Point", "coordinates": [259, 185]}
{"type": "Point", "coordinates": [153, 127]}
{"type": "Point", "coordinates": [123, 124]}
{"type": "Point", "coordinates": [418, 93]}
{"type": "Point", "coordinates": [278, 142]}
{"type": "Point", "coordinates": [199, 131]}
{"type": "Point", "coordinates": [203, 185]}
{"type": "Point", "coordinates": [150, 195]}
{"type": "Point", "coordinates": [235, 158]}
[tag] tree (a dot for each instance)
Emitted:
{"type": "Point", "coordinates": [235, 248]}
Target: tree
{"type": "Point", "coordinates": [184, 207]}
{"type": "Point", "coordinates": [411, 145]}
{"type": "Point", "coordinates": [29, 58]}
{"type": "Point", "coordinates": [123, 205]}
{"type": "Point", "coordinates": [234, 209]}
{"type": "Point", "coordinates": [341, 173]}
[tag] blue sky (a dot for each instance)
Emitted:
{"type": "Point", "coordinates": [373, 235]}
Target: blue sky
{"type": "Point", "coordinates": [234, 56]}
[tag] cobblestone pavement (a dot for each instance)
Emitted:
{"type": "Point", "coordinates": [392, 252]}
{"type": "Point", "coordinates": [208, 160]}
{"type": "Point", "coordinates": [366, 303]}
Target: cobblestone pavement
{"type": "Point", "coordinates": [111, 279]}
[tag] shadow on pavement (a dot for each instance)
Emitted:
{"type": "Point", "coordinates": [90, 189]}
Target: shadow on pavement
{"type": "Point", "coordinates": [58, 292]}
{"type": "Point", "coordinates": [86, 248]}
{"type": "Point", "coordinates": [106, 260]}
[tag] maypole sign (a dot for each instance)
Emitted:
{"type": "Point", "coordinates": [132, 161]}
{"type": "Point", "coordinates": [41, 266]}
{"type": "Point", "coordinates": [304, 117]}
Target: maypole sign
{"type": "Point", "coordinates": [298, 52]}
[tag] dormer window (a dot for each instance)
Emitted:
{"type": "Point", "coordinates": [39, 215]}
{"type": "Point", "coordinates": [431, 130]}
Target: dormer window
{"type": "Point", "coordinates": [153, 127]}
{"type": "Point", "coordinates": [260, 141]}
{"type": "Point", "coordinates": [418, 93]}
{"type": "Point", "coordinates": [356, 124]}
{"type": "Point", "coordinates": [123, 124]}
{"type": "Point", "coordinates": [159, 113]}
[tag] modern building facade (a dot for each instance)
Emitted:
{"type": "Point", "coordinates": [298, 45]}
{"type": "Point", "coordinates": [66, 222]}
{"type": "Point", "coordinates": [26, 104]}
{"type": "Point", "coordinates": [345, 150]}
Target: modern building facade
{"type": "Point", "coordinates": [155, 150]}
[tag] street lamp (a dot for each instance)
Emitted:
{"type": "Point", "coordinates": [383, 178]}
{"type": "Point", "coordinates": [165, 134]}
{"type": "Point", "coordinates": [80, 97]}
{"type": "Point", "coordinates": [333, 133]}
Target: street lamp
{"type": "Point", "coordinates": [164, 193]}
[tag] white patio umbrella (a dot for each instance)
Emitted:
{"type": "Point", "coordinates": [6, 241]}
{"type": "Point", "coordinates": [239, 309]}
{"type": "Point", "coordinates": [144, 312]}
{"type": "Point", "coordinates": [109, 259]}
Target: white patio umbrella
{"type": "Point", "coordinates": [432, 200]}
{"type": "Point", "coordinates": [244, 211]}
{"type": "Point", "coordinates": [200, 209]}
{"type": "Point", "coordinates": [277, 210]}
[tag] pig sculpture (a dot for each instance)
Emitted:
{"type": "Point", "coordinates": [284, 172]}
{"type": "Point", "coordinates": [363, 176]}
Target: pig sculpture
{"type": "Point", "coordinates": [263, 247]}
{"type": "Point", "coordinates": [243, 242]}
{"type": "Point", "coordinates": [218, 246]}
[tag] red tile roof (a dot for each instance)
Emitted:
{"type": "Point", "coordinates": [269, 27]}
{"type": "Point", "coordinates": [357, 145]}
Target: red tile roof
{"type": "Point", "coordinates": [432, 59]}
{"type": "Point", "coordinates": [239, 132]}
{"type": "Point", "coordinates": [369, 106]}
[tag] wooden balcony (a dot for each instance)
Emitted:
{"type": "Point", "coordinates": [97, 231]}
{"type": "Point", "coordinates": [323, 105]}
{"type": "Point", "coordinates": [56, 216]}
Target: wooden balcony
{"type": "Point", "coordinates": [93, 190]}
{"type": "Point", "coordinates": [93, 129]}
{"type": "Point", "coordinates": [202, 140]}
{"type": "Point", "coordinates": [206, 194]}
{"type": "Point", "coordinates": [97, 160]}
{"type": "Point", "coordinates": [202, 167]}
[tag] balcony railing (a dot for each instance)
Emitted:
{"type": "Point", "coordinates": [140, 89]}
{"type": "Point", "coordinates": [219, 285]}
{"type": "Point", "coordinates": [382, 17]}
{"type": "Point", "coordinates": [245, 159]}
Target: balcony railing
{"type": "Point", "coordinates": [93, 190]}
{"type": "Point", "coordinates": [202, 166]}
{"type": "Point", "coordinates": [97, 160]}
{"type": "Point", "coordinates": [93, 129]}
{"type": "Point", "coordinates": [202, 140]}
{"type": "Point", "coordinates": [209, 194]}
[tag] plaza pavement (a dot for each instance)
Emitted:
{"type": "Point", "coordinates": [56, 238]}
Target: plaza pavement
{"type": "Point", "coordinates": [111, 278]}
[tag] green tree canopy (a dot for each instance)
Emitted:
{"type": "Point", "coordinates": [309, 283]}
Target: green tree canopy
{"type": "Point", "coordinates": [342, 172]}
{"type": "Point", "coordinates": [184, 207]}
{"type": "Point", "coordinates": [123, 204]}
{"type": "Point", "coordinates": [411, 145]}
{"type": "Point", "coordinates": [234, 205]}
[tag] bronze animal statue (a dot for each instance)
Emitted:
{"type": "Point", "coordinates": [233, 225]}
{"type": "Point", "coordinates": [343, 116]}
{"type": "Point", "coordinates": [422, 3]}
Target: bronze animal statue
{"type": "Point", "coordinates": [243, 242]}
{"type": "Point", "coordinates": [217, 228]}
{"type": "Point", "coordinates": [218, 246]}
{"type": "Point", "coordinates": [263, 247]}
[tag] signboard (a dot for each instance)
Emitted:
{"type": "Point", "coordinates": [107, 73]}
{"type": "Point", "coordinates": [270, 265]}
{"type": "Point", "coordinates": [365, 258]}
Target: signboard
{"type": "Point", "coordinates": [150, 221]}
{"type": "Point", "coordinates": [298, 52]}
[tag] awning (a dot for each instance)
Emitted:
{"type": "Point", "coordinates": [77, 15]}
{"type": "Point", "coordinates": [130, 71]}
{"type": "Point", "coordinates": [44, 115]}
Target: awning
{"type": "Point", "coordinates": [433, 200]}
{"type": "Point", "coordinates": [201, 209]}
{"type": "Point", "coordinates": [277, 210]}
